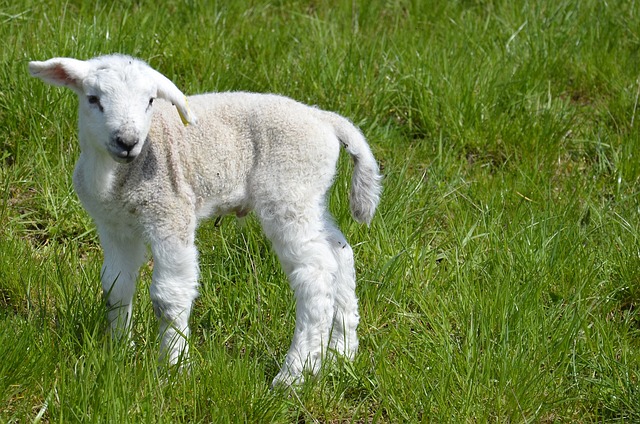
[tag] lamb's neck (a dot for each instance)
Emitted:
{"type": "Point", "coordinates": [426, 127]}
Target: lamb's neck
{"type": "Point", "coordinates": [98, 172]}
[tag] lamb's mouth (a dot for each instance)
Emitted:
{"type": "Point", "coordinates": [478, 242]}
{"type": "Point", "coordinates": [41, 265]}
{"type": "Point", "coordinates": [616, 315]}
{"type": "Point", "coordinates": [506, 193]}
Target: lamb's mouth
{"type": "Point", "coordinates": [123, 156]}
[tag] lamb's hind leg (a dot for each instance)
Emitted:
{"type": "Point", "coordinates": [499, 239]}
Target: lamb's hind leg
{"type": "Point", "coordinates": [344, 338]}
{"type": "Point", "coordinates": [308, 261]}
{"type": "Point", "coordinates": [173, 289]}
{"type": "Point", "coordinates": [123, 256]}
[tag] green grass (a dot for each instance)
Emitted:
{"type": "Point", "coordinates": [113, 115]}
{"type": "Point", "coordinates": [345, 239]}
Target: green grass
{"type": "Point", "coordinates": [499, 282]}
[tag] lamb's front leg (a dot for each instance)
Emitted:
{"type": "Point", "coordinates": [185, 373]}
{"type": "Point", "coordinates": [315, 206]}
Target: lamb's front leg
{"type": "Point", "coordinates": [123, 256]}
{"type": "Point", "coordinates": [173, 290]}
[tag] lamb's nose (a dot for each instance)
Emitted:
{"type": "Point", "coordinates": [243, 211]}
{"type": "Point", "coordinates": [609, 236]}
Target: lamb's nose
{"type": "Point", "coordinates": [126, 144]}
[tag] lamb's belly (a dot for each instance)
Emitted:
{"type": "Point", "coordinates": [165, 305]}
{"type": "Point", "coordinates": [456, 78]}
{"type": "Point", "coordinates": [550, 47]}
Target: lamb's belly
{"type": "Point", "coordinates": [235, 203]}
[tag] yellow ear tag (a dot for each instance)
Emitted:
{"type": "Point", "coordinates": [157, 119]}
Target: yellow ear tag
{"type": "Point", "coordinates": [185, 122]}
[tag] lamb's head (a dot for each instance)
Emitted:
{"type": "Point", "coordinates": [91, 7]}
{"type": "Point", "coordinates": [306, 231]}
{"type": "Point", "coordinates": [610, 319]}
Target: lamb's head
{"type": "Point", "coordinates": [116, 95]}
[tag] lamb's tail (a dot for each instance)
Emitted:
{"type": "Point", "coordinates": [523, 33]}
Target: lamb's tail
{"type": "Point", "coordinates": [365, 182]}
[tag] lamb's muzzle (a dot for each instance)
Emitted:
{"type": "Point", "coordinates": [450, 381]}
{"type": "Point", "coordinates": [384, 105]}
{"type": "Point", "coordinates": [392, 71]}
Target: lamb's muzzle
{"type": "Point", "coordinates": [146, 179]}
{"type": "Point", "coordinates": [123, 145]}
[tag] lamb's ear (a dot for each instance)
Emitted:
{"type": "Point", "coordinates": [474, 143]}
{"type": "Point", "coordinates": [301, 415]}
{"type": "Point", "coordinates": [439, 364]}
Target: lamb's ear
{"type": "Point", "coordinates": [62, 71]}
{"type": "Point", "coordinates": [167, 90]}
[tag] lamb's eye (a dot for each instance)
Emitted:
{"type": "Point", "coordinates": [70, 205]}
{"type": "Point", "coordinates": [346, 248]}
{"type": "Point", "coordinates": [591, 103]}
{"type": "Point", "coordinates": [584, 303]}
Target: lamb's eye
{"type": "Point", "coordinates": [94, 100]}
{"type": "Point", "coordinates": [151, 101]}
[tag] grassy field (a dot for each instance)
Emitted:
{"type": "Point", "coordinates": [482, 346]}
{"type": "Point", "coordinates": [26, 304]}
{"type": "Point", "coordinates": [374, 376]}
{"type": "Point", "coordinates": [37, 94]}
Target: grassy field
{"type": "Point", "coordinates": [499, 282]}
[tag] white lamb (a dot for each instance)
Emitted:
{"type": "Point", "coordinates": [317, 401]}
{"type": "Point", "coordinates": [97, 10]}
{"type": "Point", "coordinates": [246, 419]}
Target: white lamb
{"type": "Point", "coordinates": [147, 179]}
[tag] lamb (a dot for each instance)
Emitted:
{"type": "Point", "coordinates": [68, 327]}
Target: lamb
{"type": "Point", "coordinates": [147, 178]}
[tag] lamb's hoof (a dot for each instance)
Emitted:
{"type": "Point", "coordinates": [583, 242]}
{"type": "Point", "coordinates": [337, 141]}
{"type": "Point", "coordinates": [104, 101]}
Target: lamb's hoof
{"type": "Point", "coordinates": [286, 379]}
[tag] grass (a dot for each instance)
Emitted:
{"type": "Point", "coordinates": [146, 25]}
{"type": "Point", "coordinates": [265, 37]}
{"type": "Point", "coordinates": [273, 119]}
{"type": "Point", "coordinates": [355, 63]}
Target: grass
{"type": "Point", "coordinates": [499, 282]}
